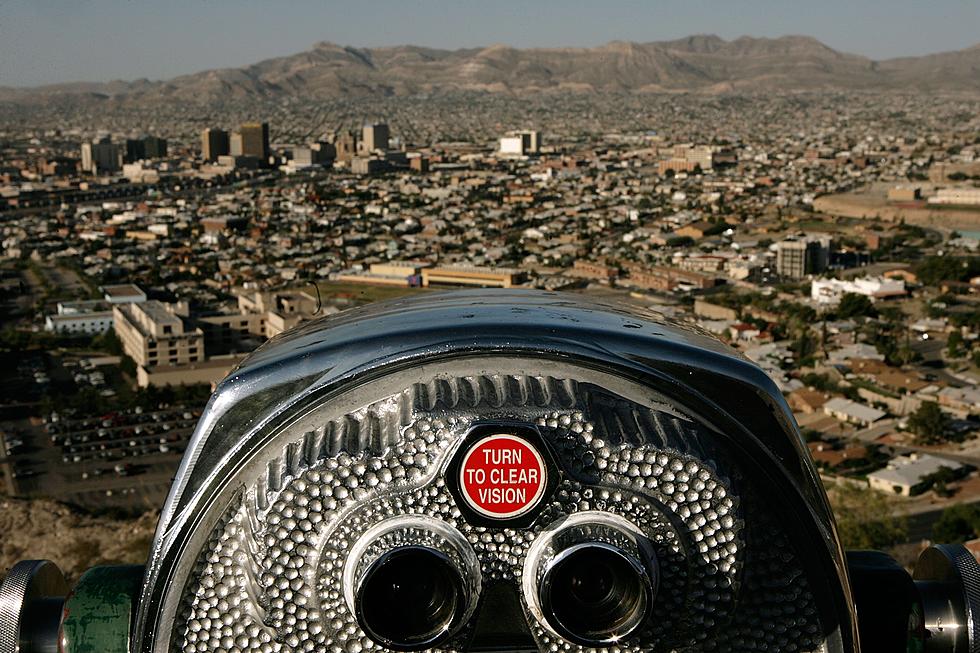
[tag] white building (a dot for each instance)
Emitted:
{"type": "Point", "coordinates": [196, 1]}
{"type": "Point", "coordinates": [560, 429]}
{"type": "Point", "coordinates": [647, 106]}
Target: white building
{"type": "Point", "coordinates": [93, 316]}
{"type": "Point", "coordinates": [86, 317]}
{"type": "Point", "coordinates": [958, 196]}
{"type": "Point", "coordinates": [851, 411]}
{"type": "Point", "coordinates": [520, 143]}
{"type": "Point", "coordinates": [513, 145]}
{"type": "Point", "coordinates": [904, 474]}
{"type": "Point", "coordinates": [830, 291]}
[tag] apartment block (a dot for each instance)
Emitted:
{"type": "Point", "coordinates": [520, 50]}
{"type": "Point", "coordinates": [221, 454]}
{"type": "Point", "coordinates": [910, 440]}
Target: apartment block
{"type": "Point", "coordinates": [153, 334]}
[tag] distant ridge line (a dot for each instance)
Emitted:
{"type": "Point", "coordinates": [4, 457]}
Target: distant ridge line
{"type": "Point", "coordinates": [698, 63]}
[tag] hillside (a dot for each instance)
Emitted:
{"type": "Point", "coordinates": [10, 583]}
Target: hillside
{"type": "Point", "coordinates": [705, 64]}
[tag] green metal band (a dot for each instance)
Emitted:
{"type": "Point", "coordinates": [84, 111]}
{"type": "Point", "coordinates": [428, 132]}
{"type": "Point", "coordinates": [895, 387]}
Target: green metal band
{"type": "Point", "coordinates": [99, 610]}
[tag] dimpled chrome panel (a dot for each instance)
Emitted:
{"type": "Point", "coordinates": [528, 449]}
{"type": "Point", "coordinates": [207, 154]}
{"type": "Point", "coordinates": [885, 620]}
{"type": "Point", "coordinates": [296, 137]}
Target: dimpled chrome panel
{"type": "Point", "coordinates": [269, 577]}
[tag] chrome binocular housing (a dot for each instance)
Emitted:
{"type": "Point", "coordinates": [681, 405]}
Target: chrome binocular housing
{"type": "Point", "coordinates": [497, 471]}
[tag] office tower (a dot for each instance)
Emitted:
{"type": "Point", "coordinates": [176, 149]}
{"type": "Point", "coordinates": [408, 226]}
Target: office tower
{"type": "Point", "coordinates": [214, 143]}
{"type": "Point", "coordinates": [797, 258]}
{"type": "Point", "coordinates": [108, 157]}
{"type": "Point", "coordinates": [324, 152]}
{"type": "Point", "coordinates": [533, 141]}
{"type": "Point", "coordinates": [316, 154]}
{"type": "Point", "coordinates": [135, 150]}
{"type": "Point", "coordinates": [255, 140]}
{"type": "Point", "coordinates": [235, 144]}
{"type": "Point", "coordinates": [154, 147]}
{"type": "Point", "coordinates": [88, 162]}
{"type": "Point", "coordinates": [375, 137]}
{"type": "Point", "coordinates": [346, 146]}
{"type": "Point", "coordinates": [521, 143]}
{"type": "Point", "coordinates": [512, 145]}
{"type": "Point", "coordinates": [101, 157]}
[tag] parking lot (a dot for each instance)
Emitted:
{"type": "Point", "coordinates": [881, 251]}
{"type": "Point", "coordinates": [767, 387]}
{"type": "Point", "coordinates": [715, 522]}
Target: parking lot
{"type": "Point", "coordinates": [123, 460]}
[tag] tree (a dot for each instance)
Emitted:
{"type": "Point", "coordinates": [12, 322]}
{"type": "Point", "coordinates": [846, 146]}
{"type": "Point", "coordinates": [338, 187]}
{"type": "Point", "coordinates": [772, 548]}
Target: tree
{"type": "Point", "coordinates": [958, 523]}
{"type": "Point", "coordinates": [854, 305]}
{"type": "Point", "coordinates": [804, 347]}
{"type": "Point", "coordinates": [929, 423]}
{"type": "Point", "coordinates": [680, 241]}
{"type": "Point", "coordinates": [953, 344]}
{"type": "Point", "coordinates": [935, 269]}
{"type": "Point", "coordinates": [938, 482]}
{"type": "Point", "coordinates": [864, 519]}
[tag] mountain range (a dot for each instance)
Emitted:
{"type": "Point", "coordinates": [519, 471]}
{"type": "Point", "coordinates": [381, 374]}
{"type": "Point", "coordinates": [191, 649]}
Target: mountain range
{"type": "Point", "coordinates": [703, 63]}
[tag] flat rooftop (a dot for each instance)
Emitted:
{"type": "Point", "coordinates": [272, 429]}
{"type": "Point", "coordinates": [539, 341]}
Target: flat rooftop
{"type": "Point", "coordinates": [122, 290]}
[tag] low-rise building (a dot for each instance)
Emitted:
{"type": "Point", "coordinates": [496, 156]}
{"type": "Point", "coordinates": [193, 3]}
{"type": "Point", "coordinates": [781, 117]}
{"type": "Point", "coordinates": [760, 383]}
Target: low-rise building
{"type": "Point", "coordinates": [276, 311]}
{"type": "Point", "coordinates": [210, 371]}
{"type": "Point", "coordinates": [462, 275]}
{"type": "Point", "coordinates": [961, 401]}
{"type": "Point", "coordinates": [905, 475]}
{"type": "Point", "coordinates": [84, 317]}
{"type": "Point", "coordinates": [392, 273]}
{"type": "Point", "coordinates": [669, 279]}
{"type": "Point", "coordinates": [830, 291]}
{"type": "Point", "coordinates": [596, 271]}
{"type": "Point", "coordinates": [91, 317]}
{"type": "Point", "coordinates": [807, 400]}
{"type": "Point", "coordinates": [125, 293]}
{"type": "Point", "coordinates": [957, 197]}
{"type": "Point", "coordinates": [846, 410]}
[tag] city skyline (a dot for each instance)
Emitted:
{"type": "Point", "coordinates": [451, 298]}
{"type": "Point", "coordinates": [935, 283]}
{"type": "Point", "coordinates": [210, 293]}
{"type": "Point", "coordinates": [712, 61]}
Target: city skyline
{"type": "Point", "coordinates": [63, 43]}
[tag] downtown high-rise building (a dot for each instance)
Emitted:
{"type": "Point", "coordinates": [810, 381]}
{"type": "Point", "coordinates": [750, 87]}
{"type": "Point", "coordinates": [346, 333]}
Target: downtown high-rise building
{"type": "Point", "coordinates": [375, 137]}
{"type": "Point", "coordinates": [214, 143]}
{"type": "Point", "coordinates": [255, 140]}
{"type": "Point", "coordinates": [346, 145]}
{"type": "Point", "coordinates": [135, 150]}
{"type": "Point", "coordinates": [521, 143]}
{"type": "Point", "coordinates": [154, 147]}
{"type": "Point", "coordinates": [797, 258]}
{"type": "Point", "coordinates": [235, 144]}
{"type": "Point", "coordinates": [102, 156]}
{"type": "Point", "coordinates": [145, 147]}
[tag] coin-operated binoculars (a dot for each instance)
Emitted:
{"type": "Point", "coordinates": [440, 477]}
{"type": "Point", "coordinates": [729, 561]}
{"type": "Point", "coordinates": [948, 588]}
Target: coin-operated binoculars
{"type": "Point", "coordinates": [497, 471]}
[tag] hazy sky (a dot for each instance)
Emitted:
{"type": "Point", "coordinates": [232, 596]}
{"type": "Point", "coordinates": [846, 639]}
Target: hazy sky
{"type": "Point", "coordinates": [49, 41]}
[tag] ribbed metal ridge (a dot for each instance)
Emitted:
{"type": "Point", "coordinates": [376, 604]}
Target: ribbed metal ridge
{"type": "Point", "coordinates": [378, 426]}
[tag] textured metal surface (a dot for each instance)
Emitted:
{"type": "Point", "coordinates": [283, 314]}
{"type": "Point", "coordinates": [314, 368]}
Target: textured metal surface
{"type": "Point", "coordinates": [27, 582]}
{"type": "Point", "coordinates": [99, 610]}
{"type": "Point", "coordinates": [271, 576]}
{"type": "Point", "coordinates": [347, 420]}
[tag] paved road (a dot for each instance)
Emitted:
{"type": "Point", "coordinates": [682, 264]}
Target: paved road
{"type": "Point", "coordinates": [920, 523]}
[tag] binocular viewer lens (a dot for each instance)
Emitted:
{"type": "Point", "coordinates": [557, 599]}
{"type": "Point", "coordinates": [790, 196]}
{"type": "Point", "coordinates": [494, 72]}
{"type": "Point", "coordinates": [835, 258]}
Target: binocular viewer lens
{"type": "Point", "coordinates": [415, 581]}
{"type": "Point", "coordinates": [595, 593]}
{"type": "Point", "coordinates": [410, 597]}
{"type": "Point", "coordinates": [412, 582]}
{"type": "Point", "coordinates": [591, 579]}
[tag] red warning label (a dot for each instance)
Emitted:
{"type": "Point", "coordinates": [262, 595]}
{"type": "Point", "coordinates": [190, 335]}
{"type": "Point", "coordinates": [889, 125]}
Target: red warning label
{"type": "Point", "coordinates": [503, 476]}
